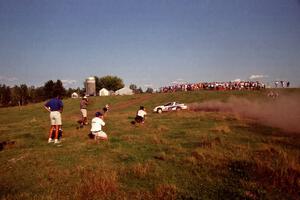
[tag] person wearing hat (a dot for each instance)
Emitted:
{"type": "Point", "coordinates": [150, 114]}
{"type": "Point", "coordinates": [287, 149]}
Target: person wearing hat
{"type": "Point", "coordinates": [83, 110]}
{"type": "Point", "coordinates": [97, 123]}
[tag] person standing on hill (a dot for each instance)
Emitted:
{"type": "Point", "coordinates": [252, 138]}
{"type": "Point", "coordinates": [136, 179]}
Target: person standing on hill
{"type": "Point", "coordinates": [83, 110]}
{"type": "Point", "coordinates": [55, 107]}
{"type": "Point", "coordinates": [105, 109]}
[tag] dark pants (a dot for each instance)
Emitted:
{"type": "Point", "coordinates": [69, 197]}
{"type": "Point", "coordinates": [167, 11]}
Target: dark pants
{"type": "Point", "coordinates": [139, 119]}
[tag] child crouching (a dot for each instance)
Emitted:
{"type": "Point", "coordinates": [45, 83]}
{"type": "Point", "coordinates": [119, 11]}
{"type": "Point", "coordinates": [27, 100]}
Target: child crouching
{"type": "Point", "coordinates": [96, 130]}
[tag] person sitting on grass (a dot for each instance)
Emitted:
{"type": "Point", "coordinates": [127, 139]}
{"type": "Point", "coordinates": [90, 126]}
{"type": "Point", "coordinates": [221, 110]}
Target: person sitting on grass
{"type": "Point", "coordinates": [140, 115]}
{"type": "Point", "coordinates": [96, 130]}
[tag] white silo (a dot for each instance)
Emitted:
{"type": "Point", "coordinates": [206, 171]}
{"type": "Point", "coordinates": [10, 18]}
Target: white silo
{"type": "Point", "coordinates": [90, 86]}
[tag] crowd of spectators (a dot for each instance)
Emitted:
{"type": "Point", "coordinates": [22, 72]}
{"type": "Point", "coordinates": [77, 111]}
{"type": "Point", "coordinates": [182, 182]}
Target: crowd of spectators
{"type": "Point", "coordinates": [283, 84]}
{"type": "Point", "coordinates": [240, 85]}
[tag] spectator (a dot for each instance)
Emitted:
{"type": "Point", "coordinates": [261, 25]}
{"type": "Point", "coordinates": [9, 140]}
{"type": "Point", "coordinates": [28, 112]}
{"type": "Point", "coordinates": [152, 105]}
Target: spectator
{"type": "Point", "coordinates": [140, 115]}
{"type": "Point", "coordinates": [105, 109]}
{"type": "Point", "coordinates": [55, 107]}
{"type": "Point", "coordinates": [83, 110]}
{"type": "Point", "coordinates": [96, 130]}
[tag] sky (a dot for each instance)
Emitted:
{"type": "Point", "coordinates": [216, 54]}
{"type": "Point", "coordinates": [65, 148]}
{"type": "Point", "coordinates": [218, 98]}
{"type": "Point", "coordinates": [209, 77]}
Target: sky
{"type": "Point", "coordinates": [150, 43]}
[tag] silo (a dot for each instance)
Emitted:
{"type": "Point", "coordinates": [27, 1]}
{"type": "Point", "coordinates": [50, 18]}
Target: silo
{"type": "Point", "coordinates": [90, 86]}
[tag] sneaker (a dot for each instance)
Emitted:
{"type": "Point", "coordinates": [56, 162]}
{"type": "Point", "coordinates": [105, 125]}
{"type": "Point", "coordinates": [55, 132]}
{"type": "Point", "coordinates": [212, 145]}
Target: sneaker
{"type": "Point", "coordinates": [50, 140]}
{"type": "Point", "coordinates": [57, 141]}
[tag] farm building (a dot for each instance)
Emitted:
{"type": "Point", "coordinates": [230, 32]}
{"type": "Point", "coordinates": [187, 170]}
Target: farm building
{"type": "Point", "coordinates": [103, 92]}
{"type": "Point", "coordinates": [124, 91]}
{"type": "Point", "coordinates": [111, 92]}
{"type": "Point", "coordinates": [74, 95]}
{"type": "Point", "coordinates": [90, 86]}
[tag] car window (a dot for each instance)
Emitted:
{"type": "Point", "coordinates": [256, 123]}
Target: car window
{"type": "Point", "coordinates": [168, 104]}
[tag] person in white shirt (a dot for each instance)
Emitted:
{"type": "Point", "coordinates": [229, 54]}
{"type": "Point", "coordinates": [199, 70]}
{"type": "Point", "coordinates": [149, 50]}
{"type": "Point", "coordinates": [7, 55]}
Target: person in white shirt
{"type": "Point", "coordinates": [97, 123]}
{"type": "Point", "coordinates": [140, 115]}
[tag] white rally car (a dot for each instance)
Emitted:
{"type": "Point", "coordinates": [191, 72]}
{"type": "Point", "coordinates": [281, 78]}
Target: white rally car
{"type": "Point", "coordinates": [170, 107]}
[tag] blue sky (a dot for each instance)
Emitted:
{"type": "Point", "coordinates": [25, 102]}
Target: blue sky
{"type": "Point", "coordinates": [149, 42]}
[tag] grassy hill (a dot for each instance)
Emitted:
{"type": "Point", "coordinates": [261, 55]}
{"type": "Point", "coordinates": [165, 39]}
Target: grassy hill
{"type": "Point", "coordinates": [179, 155]}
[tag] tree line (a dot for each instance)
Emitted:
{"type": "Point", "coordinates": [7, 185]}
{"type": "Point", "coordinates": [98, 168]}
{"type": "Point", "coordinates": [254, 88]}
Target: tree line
{"type": "Point", "coordinates": [22, 94]}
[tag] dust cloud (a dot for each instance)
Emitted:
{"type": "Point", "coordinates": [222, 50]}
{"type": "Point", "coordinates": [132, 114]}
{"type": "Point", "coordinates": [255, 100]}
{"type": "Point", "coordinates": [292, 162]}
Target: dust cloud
{"type": "Point", "coordinates": [282, 112]}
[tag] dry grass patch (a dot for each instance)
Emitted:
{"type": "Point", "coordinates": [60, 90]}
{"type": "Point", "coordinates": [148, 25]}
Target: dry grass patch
{"type": "Point", "coordinates": [206, 142]}
{"type": "Point", "coordinates": [282, 168]}
{"type": "Point", "coordinates": [222, 128]}
{"type": "Point", "coordinates": [162, 128]}
{"type": "Point", "coordinates": [161, 156]}
{"type": "Point", "coordinates": [97, 185]}
{"type": "Point", "coordinates": [130, 138]}
{"type": "Point", "coordinates": [165, 192]}
{"type": "Point", "coordinates": [157, 139]}
{"type": "Point", "coordinates": [193, 159]}
{"type": "Point", "coordinates": [142, 170]}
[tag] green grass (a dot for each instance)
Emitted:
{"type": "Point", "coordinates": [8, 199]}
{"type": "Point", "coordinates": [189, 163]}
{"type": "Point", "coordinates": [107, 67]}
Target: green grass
{"type": "Point", "coordinates": [178, 155]}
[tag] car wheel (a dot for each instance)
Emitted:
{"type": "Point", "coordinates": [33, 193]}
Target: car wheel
{"type": "Point", "coordinates": [178, 108]}
{"type": "Point", "coordinates": [159, 110]}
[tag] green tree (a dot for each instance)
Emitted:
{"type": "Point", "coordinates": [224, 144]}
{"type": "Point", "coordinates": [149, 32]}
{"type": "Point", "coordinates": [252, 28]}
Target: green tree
{"type": "Point", "coordinates": [24, 94]}
{"type": "Point", "coordinates": [5, 95]}
{"type": "Point", "coordinates": [109, 82]}
{"type": "Point", "coordinates": [98, 84]}
{"type": "Point", "coordinates": [52, 89]}
{"type": "Point", "coordinates": [134, 88]}
{"type": "Point", "coordinates": [149, 90]}
{"type": "Point", "coordinates": [39, 94]}
{"type": "Point", "coordinates": [20, 95]}
{"type": "Point", "coordinates": [139, 90]}
{"type": "Point", "coordinates": [59, 89]}
{"type": "Point", "coordinates": [15, 95]}
{"type": "Point", "coordinates": [70, 91]}
{"type": "Point", "coordinates": [49, 89]}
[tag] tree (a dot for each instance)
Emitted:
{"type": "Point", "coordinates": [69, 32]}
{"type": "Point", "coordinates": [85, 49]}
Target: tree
{"type": "Point", "coordinates": [52, 89]}
{"type": "Point", "coordinates": [59, 89]}
{"type": "Point", "coordinates": [139, 90]}
{"type": "Point", "coordinates": [39, 95]}
{"type": "Point", "coordinates": [49, 89]}
{"type": "Point", "coordinates": [5, 95]}
{"type": "Point", "coordinates": [109, 82]}
{"type": "Point", "coordinates": [133, 87]}
{"type": "Point", "coordinates": [16, 95]}
{"type": "Point", "coordinates": [24, 94]}
{"type": "Point", "coordinates": [70, 91]}
{"type": "Point", "coordinates": [149, 90]}
{"type": "Point", "coordinates": [98, 84]}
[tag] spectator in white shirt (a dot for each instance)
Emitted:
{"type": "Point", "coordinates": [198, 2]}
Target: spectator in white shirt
{"type": "Point", "coordinates": [96, 130]}
{"type": "Point", "coordinates": [140, 115]}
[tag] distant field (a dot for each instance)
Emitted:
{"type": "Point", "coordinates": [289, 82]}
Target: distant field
{"type": "Point", "coordinates": [195, 154]}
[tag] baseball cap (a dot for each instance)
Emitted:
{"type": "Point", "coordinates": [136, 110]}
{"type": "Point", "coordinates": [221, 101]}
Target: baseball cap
{"type": "Point", "coordinates": [98, 114]}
